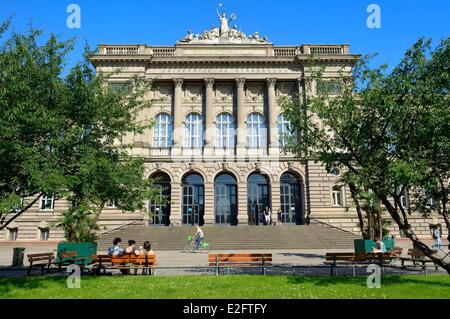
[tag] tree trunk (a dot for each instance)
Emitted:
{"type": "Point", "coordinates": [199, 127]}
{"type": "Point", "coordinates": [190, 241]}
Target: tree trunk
{"type": "Point", "coordinates": [354, 194]}
{"type": "Point", "coordinates": [406, 228]}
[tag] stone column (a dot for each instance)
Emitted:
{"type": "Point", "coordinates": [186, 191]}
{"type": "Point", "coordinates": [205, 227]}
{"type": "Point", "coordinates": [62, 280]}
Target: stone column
{"type": "Point", "coordinates": [209, 203]}
{"type": "Point", "coordinates": [275, 201]}
{"type": "Point", "coordinates": [209, 117]}
{"type": "Point", "coordinates": [178, 132]}
{"type": "Point", "coordinates": [241, 127]}
{"type": "Point", "coordinates": [242, 204]}
{"type": "Point", "coordinates": [272, 136]}
{"type": "Point", "coordinates": [175, 204]}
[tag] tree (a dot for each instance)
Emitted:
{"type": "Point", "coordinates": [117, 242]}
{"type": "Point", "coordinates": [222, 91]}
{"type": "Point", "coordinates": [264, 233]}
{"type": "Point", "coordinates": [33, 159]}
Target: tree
{"type": "Point", "coordinates": [61, 135]}
{"type": "Point", "coordinates": [387, 131]}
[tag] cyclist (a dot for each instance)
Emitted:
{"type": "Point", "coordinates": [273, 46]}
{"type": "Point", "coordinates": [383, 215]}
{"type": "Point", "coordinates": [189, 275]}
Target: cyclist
{"type": "Point", "coordinates": [199, 236]}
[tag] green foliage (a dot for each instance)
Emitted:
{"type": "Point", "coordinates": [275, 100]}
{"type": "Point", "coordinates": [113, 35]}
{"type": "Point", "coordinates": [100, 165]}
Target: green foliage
{"type": "Point", "coordinates": [384, 130]}
{"type": "Point", "coordinates": [62, 135]}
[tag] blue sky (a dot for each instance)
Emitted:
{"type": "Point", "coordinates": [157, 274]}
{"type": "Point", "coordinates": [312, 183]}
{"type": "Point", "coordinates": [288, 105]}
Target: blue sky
{"type": "Point", "coordinates": [285, 22]}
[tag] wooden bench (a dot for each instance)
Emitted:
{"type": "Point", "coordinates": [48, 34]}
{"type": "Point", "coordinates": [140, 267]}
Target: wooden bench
{"type": "Point", "coordinates": [416, 256]}
{"type": "Point", "coordinates": [69, 258]}
{"type": "Point", "coordinates": [124, 262]}
{"type": "Point", "coordinates": [351, 258]}
{"type": "Point", "coordinates": [241, 260]}
{"type": "Point", "coordinates": [43, 261]}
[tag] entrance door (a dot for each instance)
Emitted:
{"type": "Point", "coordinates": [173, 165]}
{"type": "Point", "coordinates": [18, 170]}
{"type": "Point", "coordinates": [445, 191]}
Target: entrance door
{"type": "Point", "coordinates": [193, 205]}
{"type": "Point", "coordinates": [291, 199]}
{"type": "Point", "coordinates": [160, 209]}
{"type": "Point", "coordinates": [225, 200]}
{"type": "Point", "coordinates": [257, 198]}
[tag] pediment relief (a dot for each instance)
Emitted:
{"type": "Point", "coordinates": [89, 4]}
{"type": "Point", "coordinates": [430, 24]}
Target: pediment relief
{"type": "Point", "coordinates": [255, 91]}
{"type": "Point", "coordinates": [224, 92]}
{"type": "Point", "coordinates": [162, 92]}
{"type": "Point", "coordinates": [193, 92]}
{"type": "Point", "coordinates": [286, 89]}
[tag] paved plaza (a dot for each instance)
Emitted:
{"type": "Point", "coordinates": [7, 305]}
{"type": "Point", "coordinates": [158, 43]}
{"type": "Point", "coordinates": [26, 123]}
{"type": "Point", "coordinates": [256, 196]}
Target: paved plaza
{"type": "Point", "coordinates": [289, 262]}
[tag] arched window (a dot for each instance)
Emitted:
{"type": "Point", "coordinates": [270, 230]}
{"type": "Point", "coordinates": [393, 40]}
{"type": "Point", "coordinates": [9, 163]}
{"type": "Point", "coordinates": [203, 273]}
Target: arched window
{"type": "Point", "coordinates": [256, 131]}
{"type": "Point", "coordinates": [193, 131]}
{"type": "Point", "coordinates": [162, 131]}
{"type": "Point", "coordinates": [286, 132]}
{"type": "Point", "coordinates": [225, 131]}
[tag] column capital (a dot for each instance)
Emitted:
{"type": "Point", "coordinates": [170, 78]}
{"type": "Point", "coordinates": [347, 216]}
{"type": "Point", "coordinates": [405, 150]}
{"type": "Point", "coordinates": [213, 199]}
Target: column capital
{"type": "Point", "coordinates": [178, 82]}
{"type": "Point", "coordinates": [271, 82]}
{"type": "Point", "coordinates": [240, 82]}
{"type": "Point", "coordinates": [209, 82]}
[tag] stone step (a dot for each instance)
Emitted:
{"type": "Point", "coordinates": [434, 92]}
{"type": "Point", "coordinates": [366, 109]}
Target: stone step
{"type": "Point", "coordinates": [235, 238]}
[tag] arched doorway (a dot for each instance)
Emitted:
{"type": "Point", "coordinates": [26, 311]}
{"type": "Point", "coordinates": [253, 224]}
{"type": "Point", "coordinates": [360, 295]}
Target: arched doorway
{"type": "Point", "coordinates": [193, 202]}
{"type": "Point", "coordinates": [291, 196]}
{"type": "Point", "coordinates": [257, 198]}
{"type": "Point", "coordinates": [225, 200]}
{"type": "Point", "coordinates": [159, 207]}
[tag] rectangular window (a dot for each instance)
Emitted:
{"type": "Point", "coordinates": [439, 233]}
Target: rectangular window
{"type": "Point", "coordinates": [12, 233]}
{"type": "Point", "coordinates": [45, 233]}
{"type": "Point", "coordinates": [337, 196]}
{"type": "Point", "coordinates": [403, 196]}
{"type": "Point", "coordinates": [47, 202]}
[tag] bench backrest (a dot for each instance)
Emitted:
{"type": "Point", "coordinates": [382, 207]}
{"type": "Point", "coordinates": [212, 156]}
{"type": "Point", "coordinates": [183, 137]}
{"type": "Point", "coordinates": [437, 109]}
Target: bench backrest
{"type": "Point", "coordinates": [414, 252]}
{"type": "Point", "coordinates": [141, 259]}
{"type": "Point", "coordinates": [223, 258]}
{"type": "Point", "coordinates": [40, 257]}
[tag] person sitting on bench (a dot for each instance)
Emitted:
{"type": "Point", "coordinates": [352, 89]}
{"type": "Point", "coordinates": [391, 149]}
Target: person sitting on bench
{"type": "Point", "coordinates": [115, 250]}
{"type": "Point", "coordinates": [381, 248]}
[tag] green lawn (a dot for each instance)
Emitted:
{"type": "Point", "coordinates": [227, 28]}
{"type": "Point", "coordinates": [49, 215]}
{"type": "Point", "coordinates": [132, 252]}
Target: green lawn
{"type": "Point", "coordinates": [227, 287]}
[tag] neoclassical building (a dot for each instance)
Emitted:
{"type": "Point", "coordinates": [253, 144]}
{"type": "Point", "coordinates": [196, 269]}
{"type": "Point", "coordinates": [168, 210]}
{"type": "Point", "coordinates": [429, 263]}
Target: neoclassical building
{"type": "Point", "coordinates": [215, 150]}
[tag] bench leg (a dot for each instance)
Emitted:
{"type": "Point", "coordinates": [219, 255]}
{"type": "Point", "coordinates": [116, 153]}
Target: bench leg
{"type": "Point", "coordinates": [354, 271]}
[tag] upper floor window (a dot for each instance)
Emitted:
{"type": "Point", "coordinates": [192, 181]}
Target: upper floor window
{"type": "Point", "coordinates": [120, 87]}
{"type": "Point", "coordinates": [162, 131]}
{"type": "Point", "coordinates": [47, 202]}
{"type": "Point", "coordinates": [256, 131]}
{"type": "Point", "coordinates": [225, 130]}
{"type": "Point", "coordinates": [286, 132]}
{"type": "Point", "coordinates": [403, 193]}
{"type": "Point", "coordinates": [337, 196]}
{"type": "Point", "coordinates": [193, 131]}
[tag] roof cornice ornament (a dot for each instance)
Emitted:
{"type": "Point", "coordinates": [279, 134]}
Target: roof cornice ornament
{"type": "Point", "coordinates": [224, 34]}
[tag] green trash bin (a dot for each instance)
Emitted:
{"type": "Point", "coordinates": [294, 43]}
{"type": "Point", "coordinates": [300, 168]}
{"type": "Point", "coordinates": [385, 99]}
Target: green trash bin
{"type": "Point", "coordinates": [189, 238]}
{"type": "Point", "coordinates": [205, 245]}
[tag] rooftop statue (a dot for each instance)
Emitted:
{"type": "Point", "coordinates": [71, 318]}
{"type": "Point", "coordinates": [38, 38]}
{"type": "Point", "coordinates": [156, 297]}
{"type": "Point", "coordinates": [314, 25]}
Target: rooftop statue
{"type": "Point", "coordinates": [224, 34]}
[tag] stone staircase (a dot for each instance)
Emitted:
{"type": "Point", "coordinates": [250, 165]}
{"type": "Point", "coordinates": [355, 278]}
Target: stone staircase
{"type": "Point", "coordinates": [314, 236]}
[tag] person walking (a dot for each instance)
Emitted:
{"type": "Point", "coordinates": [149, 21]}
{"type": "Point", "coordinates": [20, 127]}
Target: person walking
{"type": "Point", "coordinates": [267, 216]}
{"type": "Point", "coordinates": [279, 213]}
{"type": "Point", "coordinates": [437, 236]}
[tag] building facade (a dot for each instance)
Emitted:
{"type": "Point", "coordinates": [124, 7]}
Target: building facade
{"type": "Point", "coordinates": [215, 149]}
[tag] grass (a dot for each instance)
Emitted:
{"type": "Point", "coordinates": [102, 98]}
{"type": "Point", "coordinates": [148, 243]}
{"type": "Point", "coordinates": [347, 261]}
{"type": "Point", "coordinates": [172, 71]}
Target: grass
{"type": "Point", "coordinates": [226, 287]}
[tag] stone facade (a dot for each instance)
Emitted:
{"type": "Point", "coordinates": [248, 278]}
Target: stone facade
{"type": "Point", "coordinates": [237, 78]}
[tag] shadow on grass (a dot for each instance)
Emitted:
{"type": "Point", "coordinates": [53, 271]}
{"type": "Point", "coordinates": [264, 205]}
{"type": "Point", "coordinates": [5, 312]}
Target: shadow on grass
{"type": "Point", "coordinates": [7, 285]}
{"type": "Point", "coordinates": [387, 280]}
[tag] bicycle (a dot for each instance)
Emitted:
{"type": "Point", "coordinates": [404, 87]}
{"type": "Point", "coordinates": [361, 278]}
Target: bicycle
{"type": "Point", "coordinates": [191, 246]}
